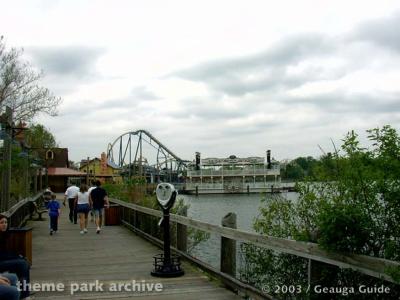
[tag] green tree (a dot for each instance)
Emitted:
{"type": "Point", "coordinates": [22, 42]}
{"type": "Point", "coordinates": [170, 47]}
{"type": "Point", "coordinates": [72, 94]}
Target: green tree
{"type": "Point", "coordinates": [299, 168]}
{"type": "Point", "coordinates": [37, 136]}
{"type": "Point", "coordinates": [352, 205]}
{"type": "Point", "coordinates": [19, 87]}
{"type": "Point", "coordinates": [292, 172]}
{"type": "Point", "coordinates": [22, 158]}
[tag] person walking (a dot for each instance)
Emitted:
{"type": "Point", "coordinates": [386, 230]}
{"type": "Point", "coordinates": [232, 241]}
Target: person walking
{"type": "Point", "coordinates": [70, 195]}
{"type": "Point", "coordinates": [47, 195]}
{"type": "Point", "coordinates": [54, 212]}
{"type": "Point", "coordinates": [83, 205]}
{"type": "Point", "coordinates": [99, 199]}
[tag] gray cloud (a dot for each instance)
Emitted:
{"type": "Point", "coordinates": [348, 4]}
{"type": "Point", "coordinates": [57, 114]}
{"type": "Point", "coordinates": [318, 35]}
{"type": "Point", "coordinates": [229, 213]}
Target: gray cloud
{"type": "Point", "coordinates": [126, 104]}
{"type": "Point", "coordinates": [383, 32]}
{"type": "Point", "coordinates": [255, 128]}
{"type": "Point", "coordinates": [120, 108]}
{"type": "Point", "coordinates": [269, 70]}
{"type": "Point", "coordinates": [265, 70]}
{"type": "Point", "coordinates": [288, 51]}
{"type": "Point", "coordinates": [66, 61]}
{"type": "Point", "coordinates": [262, 112]}
{"type": "Point", "coordinates": [208, 109]}
{"type": "Point", "coordinates": [339, 102]}
{"type": "Point", "coordinates": [143, 93]}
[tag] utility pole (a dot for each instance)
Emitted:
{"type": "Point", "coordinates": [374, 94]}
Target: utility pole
{"type": "Point", "coordinates": [26, 173]}
{"type": "Point", "coordinates": [140, 158]}
{"type": "Point", "coordinates": [6, 170]}
{"type": "Point", "coordinates": [87, 171]}
{"type": "Point", "coordinates": [40, 179]}
{"type": "Point", "coordinates": [46, 176]}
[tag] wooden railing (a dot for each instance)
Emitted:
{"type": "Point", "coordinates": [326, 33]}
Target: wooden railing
{"type": "Point", "coordinates": [20, 239]}
{"type": "Point", "coordinates": [371, 266]}
{"type": "Point", "coordinates": [19, 213]}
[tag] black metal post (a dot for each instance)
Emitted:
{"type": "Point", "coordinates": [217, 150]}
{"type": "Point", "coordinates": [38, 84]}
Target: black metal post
{"type": "Point", "coordinates": [167, 238]}
{"type": "Point", "coordinates": [167, 265]}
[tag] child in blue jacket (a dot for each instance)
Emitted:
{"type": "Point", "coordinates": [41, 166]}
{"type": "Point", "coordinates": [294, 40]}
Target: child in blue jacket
{"type": "Point", "coordinates": [54, 211]}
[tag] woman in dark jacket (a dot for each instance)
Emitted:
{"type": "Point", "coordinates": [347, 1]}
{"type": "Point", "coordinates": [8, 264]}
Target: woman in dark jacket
{"type": "Point", "coordinates": [11, 262]}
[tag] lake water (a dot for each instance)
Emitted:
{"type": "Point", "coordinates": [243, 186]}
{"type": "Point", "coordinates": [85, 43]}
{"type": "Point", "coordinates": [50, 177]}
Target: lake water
{"type": "Point", "coordinates": [212, 208]}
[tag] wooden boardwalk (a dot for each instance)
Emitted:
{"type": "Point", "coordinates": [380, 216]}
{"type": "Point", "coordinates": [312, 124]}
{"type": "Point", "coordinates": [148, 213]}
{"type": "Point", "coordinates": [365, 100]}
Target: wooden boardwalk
{"type": "Point", "coordinates": [116, 255]}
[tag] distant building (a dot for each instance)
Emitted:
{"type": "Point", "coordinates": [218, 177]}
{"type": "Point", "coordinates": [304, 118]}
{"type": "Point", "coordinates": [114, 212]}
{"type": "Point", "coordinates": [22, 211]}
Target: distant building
{"type": "Point", "coordinates": [101, 169]}
{"type": "Point", "coordinates": [54, 157]}
{"type": "Point", "coordinates": [55, 161]}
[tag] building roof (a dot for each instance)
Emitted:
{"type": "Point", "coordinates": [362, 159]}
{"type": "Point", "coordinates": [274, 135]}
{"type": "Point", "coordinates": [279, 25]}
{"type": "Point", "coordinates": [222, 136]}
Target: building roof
{"type": "Point", "coordinates": [64, 172]}
{"type": "Point", "coordinates": [113, 165]}
{"type": "Point", "coordinates": [109, 163]}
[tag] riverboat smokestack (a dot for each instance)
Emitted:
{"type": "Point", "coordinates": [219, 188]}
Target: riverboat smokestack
{"type": "Point", "coordinates": [268, 159]}
{"type": "Point", "coordinates": [197, 161]}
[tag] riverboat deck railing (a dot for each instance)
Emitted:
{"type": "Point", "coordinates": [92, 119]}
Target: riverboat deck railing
{"type": "Point", "coordinates": [235, 172]}
{"type": "Point", "coordinates": [220, 186]}
{"type": "Point", "coordinates": [375, 267]}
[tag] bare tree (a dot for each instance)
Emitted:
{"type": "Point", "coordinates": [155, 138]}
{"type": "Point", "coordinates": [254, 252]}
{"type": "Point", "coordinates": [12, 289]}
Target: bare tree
{"type": "Point", "coordinates": [19, 87]}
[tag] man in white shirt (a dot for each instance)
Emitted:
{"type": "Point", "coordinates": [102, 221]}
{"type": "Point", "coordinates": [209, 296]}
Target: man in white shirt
{"type": "Point", "coordinates": [71, 193]}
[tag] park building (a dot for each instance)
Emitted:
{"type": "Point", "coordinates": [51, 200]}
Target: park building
{"type": "Point", "coordinates": [57, 170]}
{"type": "Point", "coordinates": [101, 169]}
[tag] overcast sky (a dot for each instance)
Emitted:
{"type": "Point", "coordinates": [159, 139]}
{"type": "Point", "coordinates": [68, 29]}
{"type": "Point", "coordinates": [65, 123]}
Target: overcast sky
{"type": "Point", "coordinates": [218, 77]}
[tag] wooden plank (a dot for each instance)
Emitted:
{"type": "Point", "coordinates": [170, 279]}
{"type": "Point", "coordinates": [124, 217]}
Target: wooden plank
{"type": "Point", "coordinates": [226, 279]}
{"type": "Point", "coordinates": [189, 293]}
{"type": "Point", "coordinates": [365, 264]}
{"type": "Point", "coordinates": [116, 255]}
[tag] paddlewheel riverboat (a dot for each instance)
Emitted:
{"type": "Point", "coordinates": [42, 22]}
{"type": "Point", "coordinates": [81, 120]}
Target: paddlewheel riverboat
{"type": "Point", "coordinates": [233, 175]}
